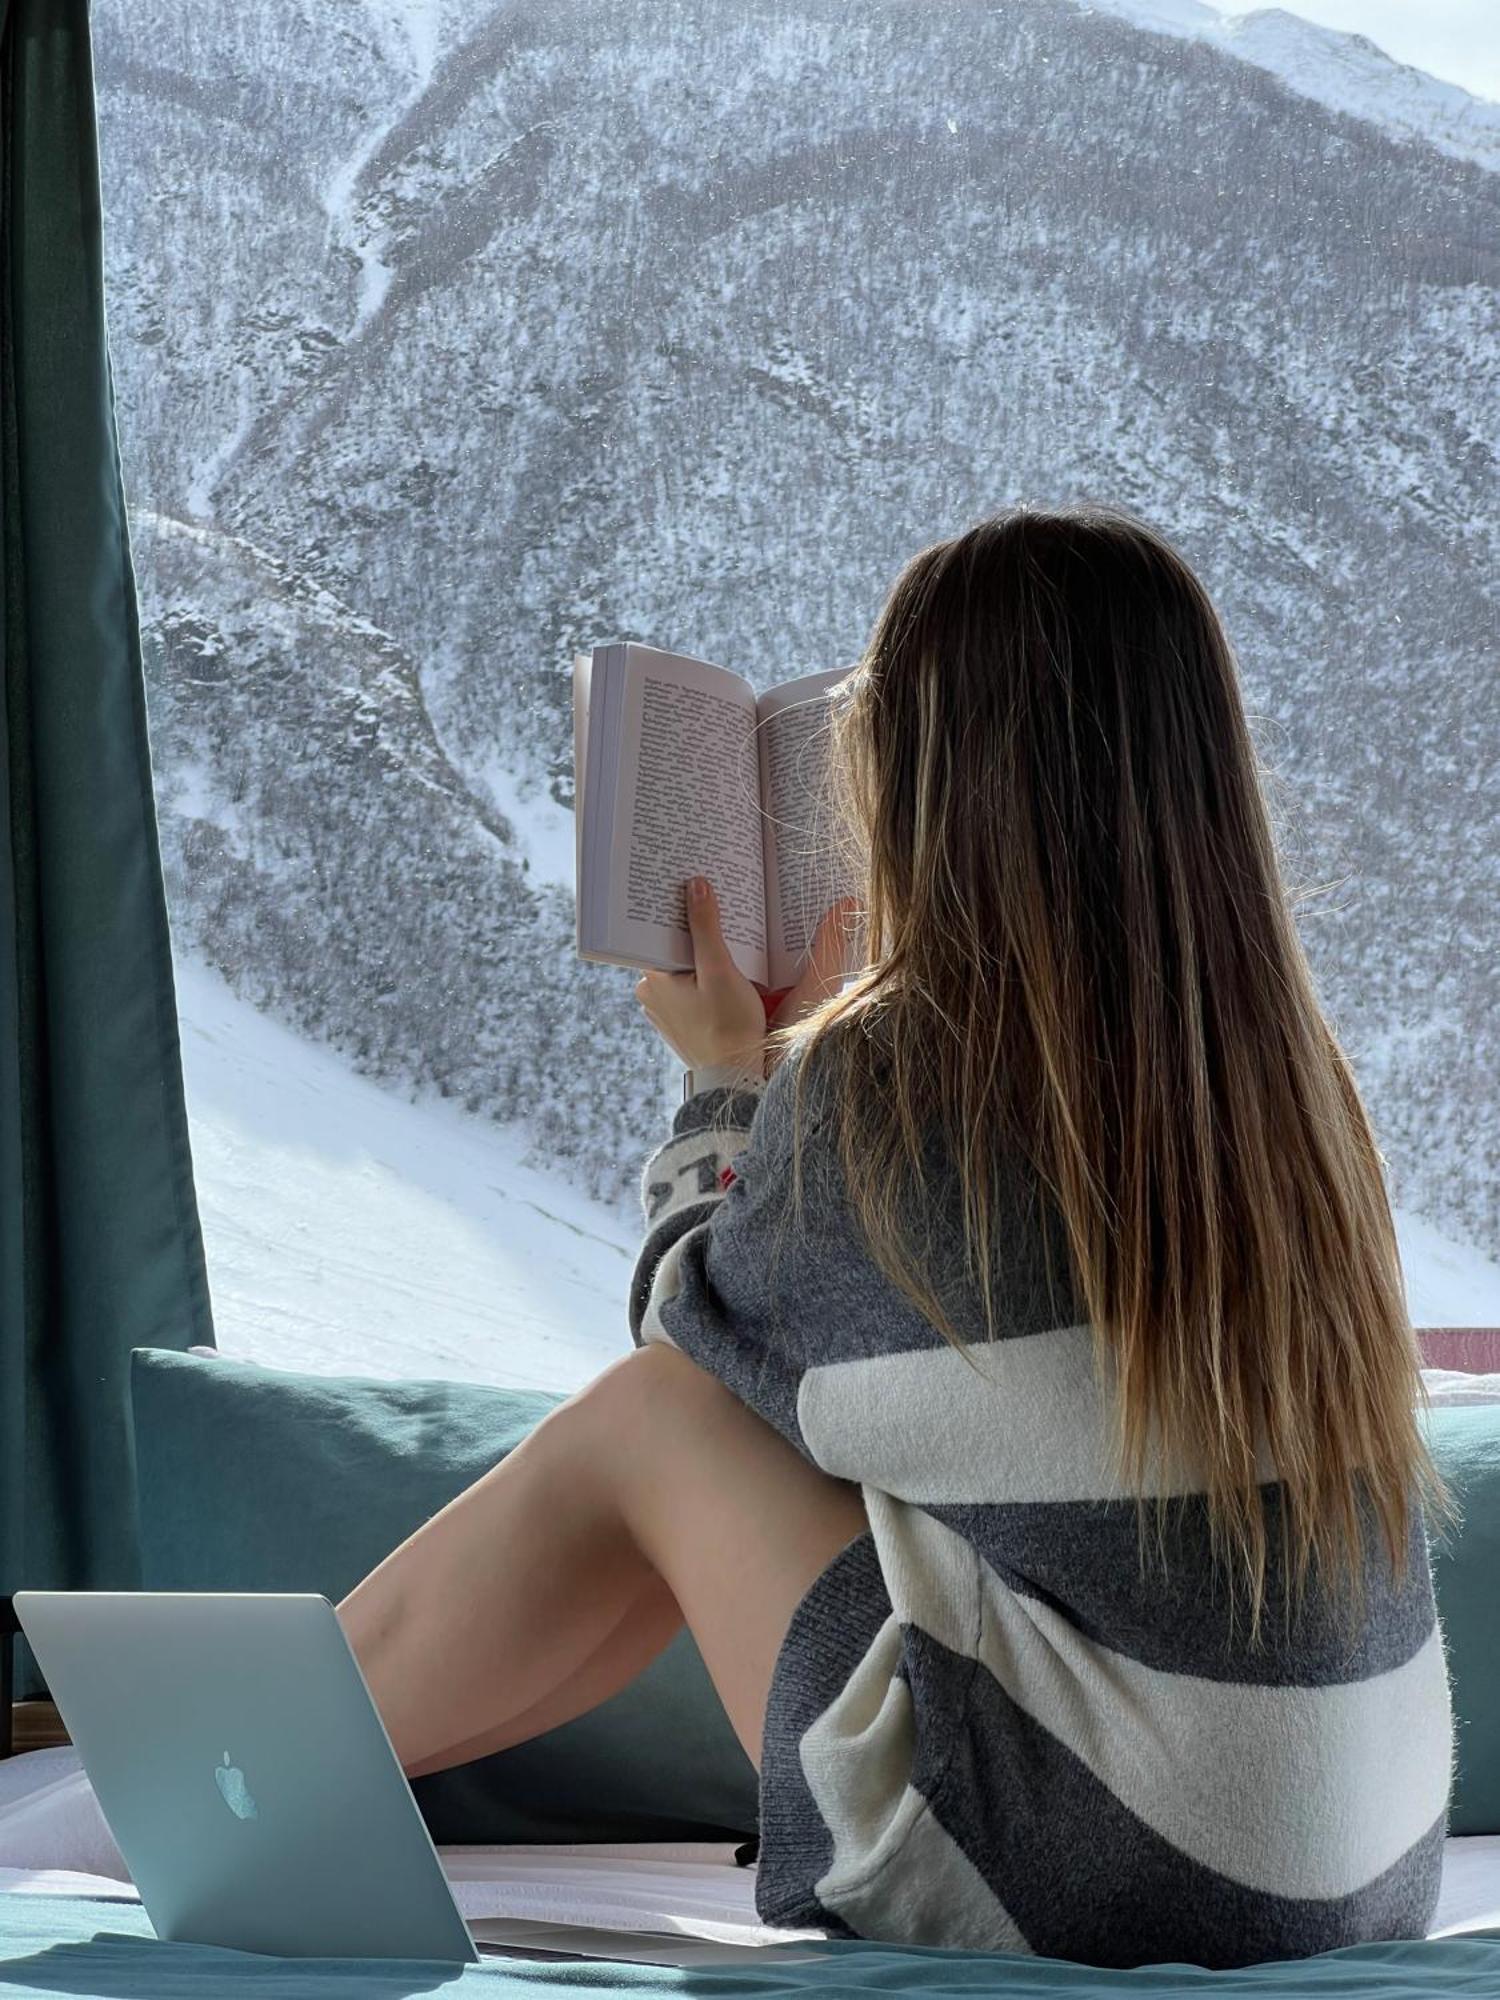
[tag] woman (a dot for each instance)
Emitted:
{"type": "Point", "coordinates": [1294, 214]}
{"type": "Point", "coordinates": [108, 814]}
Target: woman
{"type": "Point", "coordinates": [1022, 1417]}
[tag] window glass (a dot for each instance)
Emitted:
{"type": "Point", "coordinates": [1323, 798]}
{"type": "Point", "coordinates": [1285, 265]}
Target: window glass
{"type": "Point", "coordinates": [450, 338]}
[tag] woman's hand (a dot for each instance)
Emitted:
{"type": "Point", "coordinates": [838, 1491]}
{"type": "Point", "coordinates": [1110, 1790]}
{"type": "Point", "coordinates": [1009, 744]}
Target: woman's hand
{"type": "Point", "coordinates": [829, 963]}
{"type": "Point", "coordinates": [714, 1014]}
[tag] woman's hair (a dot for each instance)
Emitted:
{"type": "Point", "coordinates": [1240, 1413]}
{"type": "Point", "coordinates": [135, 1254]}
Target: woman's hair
{"type": "Point", "coordinates": [1078, 946]}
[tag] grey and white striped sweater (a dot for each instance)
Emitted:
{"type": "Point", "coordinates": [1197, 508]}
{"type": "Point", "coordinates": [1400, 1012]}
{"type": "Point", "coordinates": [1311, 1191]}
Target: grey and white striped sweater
{"type": "Point", "coordinates": [986, 1727]}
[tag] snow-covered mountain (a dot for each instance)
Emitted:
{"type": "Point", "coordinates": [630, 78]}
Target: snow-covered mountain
{"type": "Point", "coordinates": [1344, 72]}
{"type": "Point", "coordinates": [449, 337]}
{"type": "Point", "coordinates": [350, 1231]}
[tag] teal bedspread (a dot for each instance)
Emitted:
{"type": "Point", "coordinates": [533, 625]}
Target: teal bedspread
{"type": "Point", "coordinates": [92, 1951]}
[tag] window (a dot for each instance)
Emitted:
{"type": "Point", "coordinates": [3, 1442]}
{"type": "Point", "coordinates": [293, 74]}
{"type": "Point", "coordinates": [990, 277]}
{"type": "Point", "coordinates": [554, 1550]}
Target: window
{"type": "Point", "coordinates": [450, 338]}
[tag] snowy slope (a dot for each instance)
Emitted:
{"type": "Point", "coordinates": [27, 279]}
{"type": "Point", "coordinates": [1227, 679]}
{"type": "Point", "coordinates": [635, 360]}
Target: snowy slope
{"type": "Point", "coordinates": [350, 1231]}
{"type": "Point", "coordinates": [1346, 72]}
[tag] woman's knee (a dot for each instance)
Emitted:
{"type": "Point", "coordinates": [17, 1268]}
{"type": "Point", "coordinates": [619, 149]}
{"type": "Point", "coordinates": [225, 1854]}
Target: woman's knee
{"type": "Point", "coordinates": [643, 1386]}
{"type": "Point", "coordinates": [654, 1425]}
{"type": "Point", "coordinates": [626, 1417]}
{"type": "Point", "coordinates": [666, 1379]}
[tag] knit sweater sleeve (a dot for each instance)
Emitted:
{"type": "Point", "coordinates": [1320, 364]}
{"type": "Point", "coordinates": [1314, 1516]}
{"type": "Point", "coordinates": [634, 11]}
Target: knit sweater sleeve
{"type": "Point", "coordinates": [710, 1278]}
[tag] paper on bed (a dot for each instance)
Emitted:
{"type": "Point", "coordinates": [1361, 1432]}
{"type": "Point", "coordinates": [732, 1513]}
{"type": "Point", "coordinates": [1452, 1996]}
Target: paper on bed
{"type": "Point", "coordinates": [517, 1938]}
{"type": "Point", "coordinates": [687, 1890]}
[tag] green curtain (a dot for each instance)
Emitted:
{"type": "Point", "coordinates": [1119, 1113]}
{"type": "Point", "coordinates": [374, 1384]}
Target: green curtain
{"type": "Point", "coordinates": [100, 1248]}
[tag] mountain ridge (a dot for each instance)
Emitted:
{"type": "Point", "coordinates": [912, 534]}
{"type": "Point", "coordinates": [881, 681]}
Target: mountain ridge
{"type": "Point", "coordinates": [1338, 68]}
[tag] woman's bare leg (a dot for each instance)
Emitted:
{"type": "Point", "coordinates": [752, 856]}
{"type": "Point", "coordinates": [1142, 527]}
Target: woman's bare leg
{"type": "Point", "coordinates": [647, 1629]}
{"type": "Point", "coordinates": [522, 1603]}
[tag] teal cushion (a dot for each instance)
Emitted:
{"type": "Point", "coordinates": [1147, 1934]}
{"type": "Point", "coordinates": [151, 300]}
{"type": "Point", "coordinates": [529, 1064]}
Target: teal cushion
{"type": "Point", "coordinates": [251, 1478]}
{"type": "Point", "coordinates": [1465, 1441]}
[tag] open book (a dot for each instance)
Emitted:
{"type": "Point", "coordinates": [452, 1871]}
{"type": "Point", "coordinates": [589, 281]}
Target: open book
{"type": "Point", "coordinates": [679, 769]}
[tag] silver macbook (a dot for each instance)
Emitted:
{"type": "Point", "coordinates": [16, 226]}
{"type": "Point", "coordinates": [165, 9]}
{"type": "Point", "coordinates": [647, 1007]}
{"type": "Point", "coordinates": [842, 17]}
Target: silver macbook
{"type": "Point", "coordinates": [245, 1773]}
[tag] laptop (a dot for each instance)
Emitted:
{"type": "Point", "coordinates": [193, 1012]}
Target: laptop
{"type": "Point", "coordinates": [245, 1773]}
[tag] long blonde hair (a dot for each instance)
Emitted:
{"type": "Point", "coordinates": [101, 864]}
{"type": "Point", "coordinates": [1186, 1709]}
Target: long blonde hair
{"type": "Point", "coordinates": [1079, 948]}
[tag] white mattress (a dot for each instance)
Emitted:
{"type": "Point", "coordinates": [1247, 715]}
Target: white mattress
{"type": "Point", "coordinates": [668, 1903]}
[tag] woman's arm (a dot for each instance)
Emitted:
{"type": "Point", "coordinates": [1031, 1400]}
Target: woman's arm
{"type": "Point", "coordinates": [723, 1272]}
{"type": "Point", "coordinates": [687, 1176]}
{"type": "Point", "coordinates": [715, 1193]}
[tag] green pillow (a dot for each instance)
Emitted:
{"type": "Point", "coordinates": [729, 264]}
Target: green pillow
{"type": "Point", "coordinates": [251, 1478]}
{"type": "Point", "coordinates": [1465, 1441]}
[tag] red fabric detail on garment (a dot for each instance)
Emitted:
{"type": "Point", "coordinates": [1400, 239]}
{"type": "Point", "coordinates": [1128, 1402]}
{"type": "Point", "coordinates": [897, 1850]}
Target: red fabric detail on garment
{"type": "Point", "coordinates": [726, 1176]}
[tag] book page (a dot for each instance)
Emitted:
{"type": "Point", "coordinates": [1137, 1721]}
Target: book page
{"type": "Point", "coordinates": [807, 853]}
{"type": "Point", "coordinates": [688, 803]}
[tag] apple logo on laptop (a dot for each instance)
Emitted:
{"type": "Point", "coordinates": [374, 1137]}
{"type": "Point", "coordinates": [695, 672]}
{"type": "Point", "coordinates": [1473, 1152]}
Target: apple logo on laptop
{"type": "Point", "coordinates": [230, 1780]}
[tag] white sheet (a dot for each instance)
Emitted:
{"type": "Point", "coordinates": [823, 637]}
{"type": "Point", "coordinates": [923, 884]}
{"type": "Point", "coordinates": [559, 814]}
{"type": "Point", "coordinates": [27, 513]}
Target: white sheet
{"type": "Point", "coordinates": [1453, 1385]}
{"type": "Point", "coordinates": [664, 1902]}
{"type": "Point", "coordinates": [1470, 1898]}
